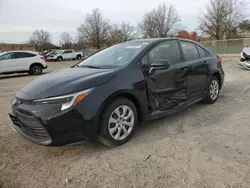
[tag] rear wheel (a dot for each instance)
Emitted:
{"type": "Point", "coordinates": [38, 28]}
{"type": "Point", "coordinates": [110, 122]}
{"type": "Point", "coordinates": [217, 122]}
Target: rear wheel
{"type": "Point", "coordinates": [36, 69]}
{"type": "Point", "coordinates": [213, 90]}
{"type": "Point", "coordinates": [118, 122]}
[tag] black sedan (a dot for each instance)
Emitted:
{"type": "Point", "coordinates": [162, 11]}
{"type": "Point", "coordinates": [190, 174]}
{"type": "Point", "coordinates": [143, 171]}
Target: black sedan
{"type": "Point", "coordinates": [105, 96]}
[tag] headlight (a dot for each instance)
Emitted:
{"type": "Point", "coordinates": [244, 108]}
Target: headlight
{"type": "Point", "coordinates": [66, 101]}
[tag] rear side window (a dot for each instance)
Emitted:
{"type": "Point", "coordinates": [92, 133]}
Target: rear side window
{"type": "Point", "coordinates": [24, 55]}
{"type": "Point", "coordinates": [68, 51]}
{"type": "Point", "coordinates": [202, 52]}
{"type": "Point", "coordinates": [190, 51]}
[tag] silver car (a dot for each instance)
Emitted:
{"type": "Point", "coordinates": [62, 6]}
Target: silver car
{"type": "Point", "coordinates": [245, 58]}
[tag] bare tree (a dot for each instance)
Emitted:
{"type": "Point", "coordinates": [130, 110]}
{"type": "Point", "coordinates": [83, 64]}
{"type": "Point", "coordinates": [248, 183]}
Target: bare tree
{"type": "Point", "coordinates": [115, 35]}
{"type": "Point", "coordinates": [121, 33]}
{"type": "Point", "coordinates": [128, 32]}
{"type": "Point", "coordinates": [40, 38]}
{"type": "Point", "coordinates": [244, 26]}
{"type": "Point", "coordinates": [221, 17]}
{"type": "Point", "coordinates": [66, 40]}
{"type": "Point", "coordinates": [95, 29]}
{"type": "Point", "coordinates": [79, 43]}
{"type": "Point", "coordinates": [160, 21]}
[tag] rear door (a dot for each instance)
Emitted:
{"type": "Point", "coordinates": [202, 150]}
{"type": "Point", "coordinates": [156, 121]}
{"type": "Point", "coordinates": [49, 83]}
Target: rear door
{"type": "Point", "coordinates": [72, 54]}
{"type": "Point", "coordinates": [67, 54]}
{"type": "Point", "coordinates": [167, 87]}
{"type": "Point", "coordinates": [197, 68]}
{"type": "Point", "coordinates": [8, 62]}
{"type": "Point", "coordinates": [24, 60]}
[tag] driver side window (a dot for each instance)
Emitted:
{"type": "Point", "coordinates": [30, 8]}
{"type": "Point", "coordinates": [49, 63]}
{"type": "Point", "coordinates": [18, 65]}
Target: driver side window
{"type": "Point", "coordinates": [7, 56]}
{"type": "Point", "coordinates": [168, 50]}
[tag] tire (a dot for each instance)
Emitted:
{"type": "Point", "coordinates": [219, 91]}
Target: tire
{"type": "Point", "coordinates": [59, 59]}
{"type": "Point", "coordinates": [36, 69]}
{"type": "Point", "coordinates": [213, 90]}
{"type": "Point", "coordinates": [112, 129]}
{"type": "Point", "coordinates": [78, 57]}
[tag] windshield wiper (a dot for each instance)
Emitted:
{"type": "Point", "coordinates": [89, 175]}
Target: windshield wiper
{"type": "Point", "coordinates": [93, 67]}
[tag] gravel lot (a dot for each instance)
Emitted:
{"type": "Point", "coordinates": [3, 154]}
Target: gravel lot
{"type": "Point", "coordinates": [204, 146]}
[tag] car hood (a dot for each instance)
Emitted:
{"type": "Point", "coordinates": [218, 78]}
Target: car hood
{"type": "Point", "coordinates": [65, 81]}
{"type": "Point", "coordinates": [246, 50]}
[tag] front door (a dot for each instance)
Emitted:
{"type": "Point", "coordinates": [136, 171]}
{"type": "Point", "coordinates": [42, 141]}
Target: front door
{"type": "Point", "coordinates": [7, 62]}
{"type": "Point", "coordinates": [196, 57]}
{"type": "Point", "coordinates": [166, 87]}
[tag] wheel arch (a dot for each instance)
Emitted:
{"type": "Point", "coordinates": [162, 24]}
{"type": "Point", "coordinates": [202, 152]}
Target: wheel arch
{"type": "Point", "coordinates": [36, 63]}
{"type": "Point", "coordinates": [217, 74]}
{"type": "Point", "coordinates": [122, 94]}
{"type": "Point", "coordinates": [59, 57]}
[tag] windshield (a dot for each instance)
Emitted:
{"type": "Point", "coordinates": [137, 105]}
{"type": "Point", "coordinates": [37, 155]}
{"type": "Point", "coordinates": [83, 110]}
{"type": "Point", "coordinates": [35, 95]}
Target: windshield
{"type": "Point", "coordinates": [115, 56]}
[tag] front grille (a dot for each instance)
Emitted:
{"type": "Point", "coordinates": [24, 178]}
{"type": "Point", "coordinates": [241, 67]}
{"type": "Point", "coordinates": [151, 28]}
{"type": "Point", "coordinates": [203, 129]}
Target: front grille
{"type": "Point", "coordinates": [24, 112]}
{"type": "Point", "coordinates": [30, 125]}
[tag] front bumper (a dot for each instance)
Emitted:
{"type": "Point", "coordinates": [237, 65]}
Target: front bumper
{"type": "Point", "coordinates": [46, 125]}
{"type": "Point", "coordinates": [50, 59]}
{"type": "Point", "coordinates": [35, 133]}
{"type": "Point", "coordinates": [244, 64]}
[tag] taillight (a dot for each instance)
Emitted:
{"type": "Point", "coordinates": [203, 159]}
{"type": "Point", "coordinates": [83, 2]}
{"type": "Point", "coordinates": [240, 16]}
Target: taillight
{"type": "Point", "coordinates": [42, 58]}
{"type": "Point", "coordinates": [220, 60]}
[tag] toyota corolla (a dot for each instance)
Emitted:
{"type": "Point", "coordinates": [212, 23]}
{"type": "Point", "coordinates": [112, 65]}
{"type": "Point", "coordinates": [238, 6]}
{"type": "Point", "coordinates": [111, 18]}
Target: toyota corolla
{"type": "Point", "coordinates": [105, 96]}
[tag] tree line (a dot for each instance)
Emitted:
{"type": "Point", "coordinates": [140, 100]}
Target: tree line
{"type": "Point", "coordinates": [221, 19]}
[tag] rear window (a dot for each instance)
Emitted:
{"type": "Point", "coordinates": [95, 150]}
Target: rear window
{"type": "Point", "coordinates": [24, 55]}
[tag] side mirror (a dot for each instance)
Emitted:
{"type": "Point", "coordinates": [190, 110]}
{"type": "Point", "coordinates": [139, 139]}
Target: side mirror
{"type": "Point", "coordinates": [158, 65]}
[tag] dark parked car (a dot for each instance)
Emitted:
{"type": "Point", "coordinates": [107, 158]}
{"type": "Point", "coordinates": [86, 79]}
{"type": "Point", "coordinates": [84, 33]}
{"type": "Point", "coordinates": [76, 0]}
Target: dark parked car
{"type": "Point", "coordinates": [105, 96]}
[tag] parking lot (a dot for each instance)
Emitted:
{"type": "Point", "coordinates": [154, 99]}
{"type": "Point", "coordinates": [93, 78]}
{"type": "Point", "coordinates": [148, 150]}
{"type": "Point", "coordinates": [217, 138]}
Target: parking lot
{"type": "Point", "coordinates": [204, 146]}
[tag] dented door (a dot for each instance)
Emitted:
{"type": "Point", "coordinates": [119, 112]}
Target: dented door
{"type": "Point", "coordinates": [167, 87]}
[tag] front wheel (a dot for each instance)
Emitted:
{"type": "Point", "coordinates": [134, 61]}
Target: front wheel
{"type": "Point", "coordinates": [213, 90]}
{"type": "Point", "coordinates": [78, 57]}
{"type": "Point", "coordinates": [59, 59]}
{"type": "Point", "coordinates": [118, 122]}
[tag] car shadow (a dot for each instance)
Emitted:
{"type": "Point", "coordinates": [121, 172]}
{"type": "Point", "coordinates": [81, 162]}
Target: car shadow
{"type": "Point", "coordinates": [7, 76]}
{"type": "Point", "coordinates": [193, 118]}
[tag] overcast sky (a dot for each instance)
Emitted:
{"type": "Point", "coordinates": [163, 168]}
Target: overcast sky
{"type": "Point", "coordinates": [18, 18]}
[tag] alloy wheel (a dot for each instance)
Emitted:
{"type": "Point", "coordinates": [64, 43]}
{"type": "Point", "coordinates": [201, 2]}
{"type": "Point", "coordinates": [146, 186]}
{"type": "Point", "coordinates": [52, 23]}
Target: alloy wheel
{"type": "Point", "coordinates": [214, 89]}
{"type": "Point", "coordinates": [121, 122]}
{"type": "Point", "coordinates": [37, 70]}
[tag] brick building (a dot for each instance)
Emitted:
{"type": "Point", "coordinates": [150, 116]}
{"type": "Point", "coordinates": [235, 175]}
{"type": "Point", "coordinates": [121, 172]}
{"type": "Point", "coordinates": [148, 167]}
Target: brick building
{"type": "Point", "coordinates": [8, 47]}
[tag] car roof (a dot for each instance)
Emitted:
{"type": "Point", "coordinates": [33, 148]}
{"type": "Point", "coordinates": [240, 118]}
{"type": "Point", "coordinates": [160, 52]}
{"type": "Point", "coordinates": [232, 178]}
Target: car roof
{"type": "Point", "coordinates": [25, 51]}
{"type": "Point", "coordinates": [147, 40]}
{"type": "Point", "coordinates": [153, 40]}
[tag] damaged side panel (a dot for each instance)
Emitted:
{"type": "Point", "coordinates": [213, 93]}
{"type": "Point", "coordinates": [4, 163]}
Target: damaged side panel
{"type": "Point", "coordinates": [167, 88]}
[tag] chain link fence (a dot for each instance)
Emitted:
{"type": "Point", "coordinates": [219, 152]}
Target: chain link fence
{"type": "Point", "coordinates": [229, 46]}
